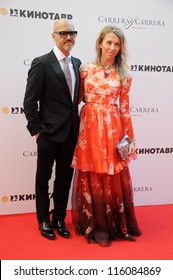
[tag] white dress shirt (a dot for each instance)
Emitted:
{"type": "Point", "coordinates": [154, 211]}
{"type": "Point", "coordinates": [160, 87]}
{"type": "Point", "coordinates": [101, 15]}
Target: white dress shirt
{"type": "Point", "coordinates": [60, 56]}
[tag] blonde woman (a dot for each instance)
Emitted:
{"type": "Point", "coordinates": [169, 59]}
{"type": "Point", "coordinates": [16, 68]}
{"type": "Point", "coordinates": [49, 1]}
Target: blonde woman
{"type": "Point", "coordinates": [102, 200]}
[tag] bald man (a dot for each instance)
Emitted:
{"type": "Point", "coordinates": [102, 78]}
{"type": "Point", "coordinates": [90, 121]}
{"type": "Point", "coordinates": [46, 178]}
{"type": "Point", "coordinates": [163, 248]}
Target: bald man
{"type": "Point", "coordinates": [51, 110]}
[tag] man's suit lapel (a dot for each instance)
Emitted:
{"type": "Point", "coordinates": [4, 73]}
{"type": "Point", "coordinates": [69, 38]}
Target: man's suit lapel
{"type": "Point", "coordinates": [76, 70]}
{"type": "Point", "coordinates": [58, 70]}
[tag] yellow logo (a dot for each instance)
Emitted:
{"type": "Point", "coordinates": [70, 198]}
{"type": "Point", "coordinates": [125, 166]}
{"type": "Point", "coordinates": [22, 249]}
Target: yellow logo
{"type": "Point", "coordinates": [3, 11]}
{"type": "Point", "coordinates": [4, 198]}
{"type": "Point", "coordinates": [5, 110]}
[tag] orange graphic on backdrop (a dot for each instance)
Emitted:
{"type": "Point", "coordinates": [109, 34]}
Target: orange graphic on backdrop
{"type": "Point", "coordinates": [5, 110]}
{"type": "Point", "coordinates": [3, 11]}
{"type": "Point", "coordinates": [4, 198]}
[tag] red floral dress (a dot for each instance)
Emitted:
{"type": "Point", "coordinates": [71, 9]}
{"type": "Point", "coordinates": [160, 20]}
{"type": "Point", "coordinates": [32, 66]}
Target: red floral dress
{"type": "Point", "coordinates": [98, 195]}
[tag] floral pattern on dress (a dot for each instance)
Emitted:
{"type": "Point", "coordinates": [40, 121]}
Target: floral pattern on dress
{"type": "Point", "coordinates": [102, 197]}
{"type": "Point", "coordinates": [104, 119]}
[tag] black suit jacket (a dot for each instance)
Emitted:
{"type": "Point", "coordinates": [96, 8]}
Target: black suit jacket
{"type": "Point", "coordinates": [47, 103]}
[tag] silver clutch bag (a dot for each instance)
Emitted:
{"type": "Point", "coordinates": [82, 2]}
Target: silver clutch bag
{"type": "Point", "coordinates": [122, 148]}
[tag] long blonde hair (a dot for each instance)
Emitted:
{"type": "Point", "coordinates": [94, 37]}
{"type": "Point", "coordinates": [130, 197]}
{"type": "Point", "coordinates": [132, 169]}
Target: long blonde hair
{"type": "Point", "coordinates": [121, 57]}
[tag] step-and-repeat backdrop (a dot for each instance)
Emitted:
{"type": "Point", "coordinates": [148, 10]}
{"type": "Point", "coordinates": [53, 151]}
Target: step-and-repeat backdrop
{"type": "Point", "coordinates": [25, 32]}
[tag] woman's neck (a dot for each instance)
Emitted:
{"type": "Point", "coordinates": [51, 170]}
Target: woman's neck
{"type": "Point", "coordinates": [106, 63]}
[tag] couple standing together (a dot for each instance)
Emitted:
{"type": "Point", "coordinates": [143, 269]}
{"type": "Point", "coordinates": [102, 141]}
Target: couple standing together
{"type": "Point", "coordinates": [102, 198]}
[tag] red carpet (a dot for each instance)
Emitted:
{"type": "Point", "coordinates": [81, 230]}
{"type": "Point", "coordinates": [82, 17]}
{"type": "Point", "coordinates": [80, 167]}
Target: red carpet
{"type": "Point", "coordinates": [20, 239]}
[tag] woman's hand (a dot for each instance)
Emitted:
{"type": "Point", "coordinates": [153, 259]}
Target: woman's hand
{"type": "Point", "coordinates": [132, 146]}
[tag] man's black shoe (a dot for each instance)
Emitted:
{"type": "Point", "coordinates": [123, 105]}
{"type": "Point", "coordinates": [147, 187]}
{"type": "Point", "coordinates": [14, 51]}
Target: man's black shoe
{"type": "Point", "coordinates": [61, 228]}
{"type": "Point", "coordinates": [46, 229]}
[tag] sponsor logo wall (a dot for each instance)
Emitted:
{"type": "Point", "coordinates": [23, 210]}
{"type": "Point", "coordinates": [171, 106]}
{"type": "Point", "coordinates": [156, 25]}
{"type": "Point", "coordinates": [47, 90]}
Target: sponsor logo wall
{"type": "Point", "coordinates": [26, 28]}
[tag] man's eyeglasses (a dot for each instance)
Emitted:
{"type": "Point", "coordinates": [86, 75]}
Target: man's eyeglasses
{"type": "Point", "coordinates": [64, 34]}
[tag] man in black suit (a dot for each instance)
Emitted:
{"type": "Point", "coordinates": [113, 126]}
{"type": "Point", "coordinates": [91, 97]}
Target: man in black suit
{"type": "Point", "coordinates": [52, 114]}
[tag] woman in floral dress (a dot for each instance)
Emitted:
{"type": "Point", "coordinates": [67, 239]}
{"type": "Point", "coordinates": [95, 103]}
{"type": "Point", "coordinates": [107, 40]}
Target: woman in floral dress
{"type": "Point", "coordinates": [102, 198]}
